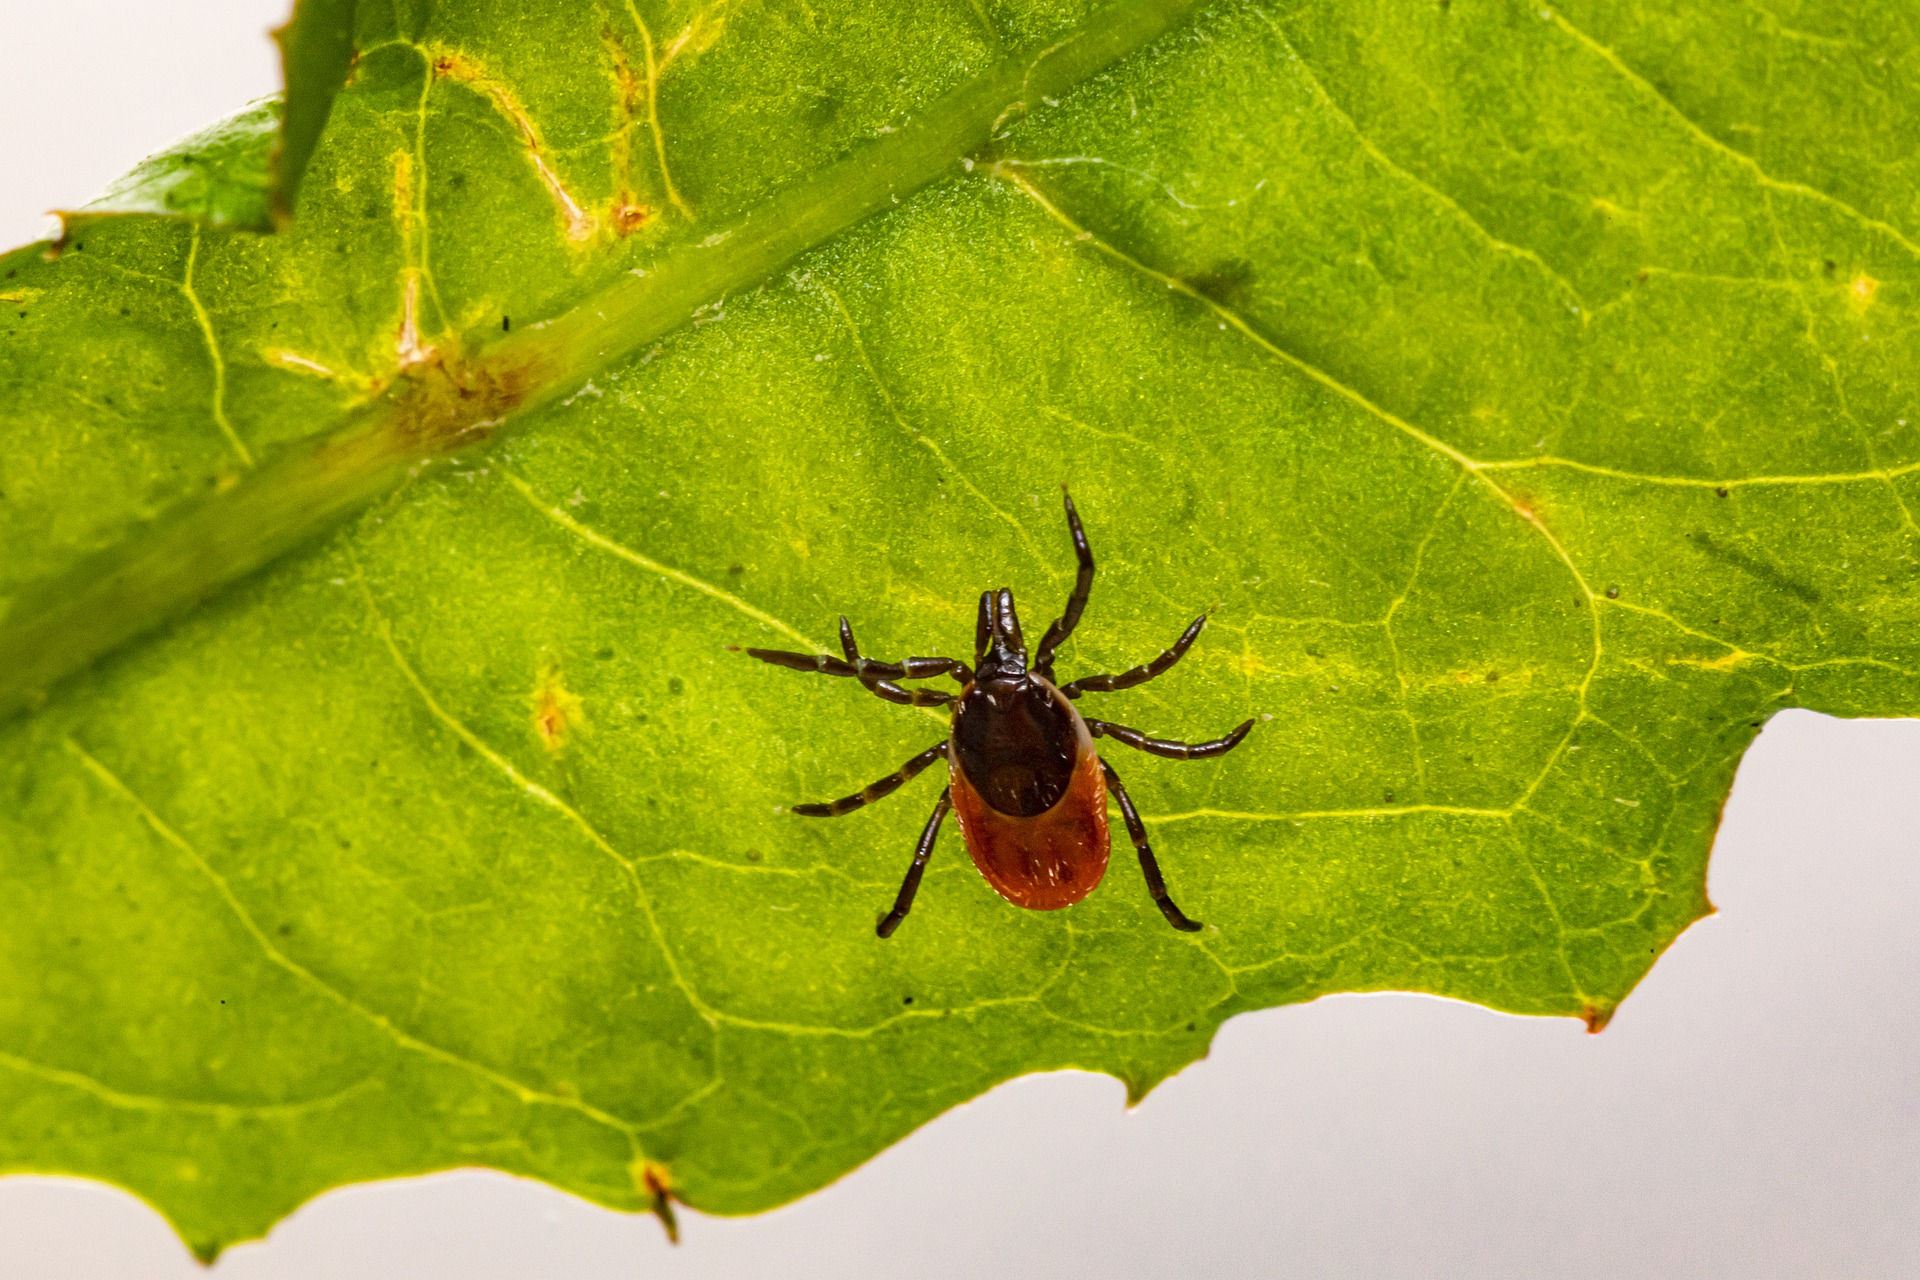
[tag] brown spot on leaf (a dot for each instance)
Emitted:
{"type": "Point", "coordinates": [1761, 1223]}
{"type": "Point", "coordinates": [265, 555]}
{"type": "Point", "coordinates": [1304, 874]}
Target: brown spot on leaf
{"type": "Point", "coordinates": [1225, 282]}
{"type": "Point", "coordinates": [1598, 1016]}
{"type": "Point", "coordinates": [628, 217]}
{"type": "Point", "coordinates": [557, 713]}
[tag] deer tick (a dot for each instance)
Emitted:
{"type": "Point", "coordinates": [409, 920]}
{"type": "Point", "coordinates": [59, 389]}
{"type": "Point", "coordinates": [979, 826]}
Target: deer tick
{"type": "Point", "coordinates": [1023, 778]}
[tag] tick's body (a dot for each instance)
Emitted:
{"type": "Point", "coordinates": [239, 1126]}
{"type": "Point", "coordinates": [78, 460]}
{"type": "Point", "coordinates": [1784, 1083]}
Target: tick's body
{"type": "Point", "coordinates": [1024, 780]}
{"type": "Point", "coordinates": [1028, 792]}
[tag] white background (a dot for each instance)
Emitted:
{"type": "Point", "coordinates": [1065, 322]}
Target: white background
{"type": "Point", "coordinates": [1753, 1112]}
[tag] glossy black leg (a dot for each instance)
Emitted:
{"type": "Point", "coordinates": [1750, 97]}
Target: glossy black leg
{"type": "Point", "coordinates": [1166, 747]}
{"type": "Point", "coordinates": [1149, 866]}
{"type": "Point", "coordinates": [1138, 675]}
{"type": "Point", "coordinates": [868, 676]}
{"type": "Point", "coordinates": [871, 671]}
{"type": "Point", "coordinates": [922, 851]}
{"type": "Point", "coordinates": [1076, 603]}
{"type": "Point", "coordinates": [877, 791]}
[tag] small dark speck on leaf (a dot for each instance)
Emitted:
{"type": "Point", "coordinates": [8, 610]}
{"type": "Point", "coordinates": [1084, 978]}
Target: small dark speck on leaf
{"type": "Point", "coordinates": [735, 570]}
{"type": "Point", "coordinates": [754, 855]}
{"type": "Point", "coordinates": [1493, 677]}
{"type": "Point", "coordinates": [126, 311]}
{"type": "Point", "coordinates": [506, 324]}
{"type": "Point", "coordinates": [1388, 800]}
{"type": "Point", "coordinates": [1225, 282]}
{"type": "Point", "coordinates": [1720, 493]}
{"type": "Point", "coordinates": [907, 1000]}
{"type": "Point", "coordinates": [1190, 1025]}
{"type": "Point", "coordinates": [286, 930]}
{"type": "Point", "coordinates": [822, 110]}
{"type": "Point", "coordinates": [1613, 593]}
{"type": "Point", "coordinates": [1829, 266]}
{"type": "Point", "coordinates": [676, 686]}
{"type": "Point", "coordinates": [604, 653]}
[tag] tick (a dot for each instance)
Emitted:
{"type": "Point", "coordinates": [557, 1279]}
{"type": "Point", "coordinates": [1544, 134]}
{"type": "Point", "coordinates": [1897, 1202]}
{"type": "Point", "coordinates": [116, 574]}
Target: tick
{"type": "Point", "coordinates": [1023, 778]}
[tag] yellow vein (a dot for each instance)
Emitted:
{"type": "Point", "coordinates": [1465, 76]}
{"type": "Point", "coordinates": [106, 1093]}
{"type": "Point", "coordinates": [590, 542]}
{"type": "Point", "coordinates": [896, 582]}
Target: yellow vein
{"type": "Point", "coordinates": [893, 410]}
{"type": "Point", "coordinates": [1553, 909]}
{"type": "Point", "coordinates": [651, 565]}
{"type": "Point", "coordinates": [152, 1102]}
{"type": "Point", "coordinates": [672, 574]}
{"type": "Point", "coordinates": [405, 1039]}
{"type": "Point", "coordinates": [416, 233]}
{"type": "Point", "coordinates": [1312, 815]}
{"type": "Point", "coordinates": [1434, 193]}
{"type": "Point", "coordinates": [217, 360]}
{"type": "Point", "coordinates": [653, 111]}
{"type": "Point", "coordinates": [1839, 477]}
{"type": "Point", "coordinates": [1393, 642]}
{"type": "Point", "coordinates": [1765, 179]}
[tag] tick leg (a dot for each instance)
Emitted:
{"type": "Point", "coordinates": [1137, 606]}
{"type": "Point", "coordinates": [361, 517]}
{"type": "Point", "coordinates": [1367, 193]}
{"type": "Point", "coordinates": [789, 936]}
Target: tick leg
{"type": "Point", "coordinates": [907, 669]}
{"type": "Point", "coordinates": [1138, 675]}
{"type": "Point", "coordinates": [1149, 867]}
{"type": "Point", "coordinates": [827, 665]}
{"type": "Point", "coordinates": [1076, 603]}
{"type": "Point", "coordinates": [922, 851]}
{"type": "Point", "coordinates": [877, 791]}
{"type": "Point", "coordinates": [1166, 747]}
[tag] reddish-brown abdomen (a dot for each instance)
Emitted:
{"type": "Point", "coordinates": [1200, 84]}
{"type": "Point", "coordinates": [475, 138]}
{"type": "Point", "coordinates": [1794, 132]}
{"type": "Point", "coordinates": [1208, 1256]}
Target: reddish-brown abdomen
{"type": "Point", "coordinates": [1047, 861]}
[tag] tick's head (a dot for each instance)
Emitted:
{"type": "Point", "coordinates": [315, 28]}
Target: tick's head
{"type": "Point", "coordinates": [998, 648]}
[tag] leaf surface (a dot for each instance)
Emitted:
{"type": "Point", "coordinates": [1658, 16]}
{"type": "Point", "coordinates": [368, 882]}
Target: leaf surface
{"type": "Point", "coordinates": [1528, 391]}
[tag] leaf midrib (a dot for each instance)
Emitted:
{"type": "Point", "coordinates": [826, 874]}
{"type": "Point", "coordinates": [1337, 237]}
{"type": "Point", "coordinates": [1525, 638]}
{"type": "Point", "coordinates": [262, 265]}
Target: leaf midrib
{"type": "Point", "coordinates": [165, 568]}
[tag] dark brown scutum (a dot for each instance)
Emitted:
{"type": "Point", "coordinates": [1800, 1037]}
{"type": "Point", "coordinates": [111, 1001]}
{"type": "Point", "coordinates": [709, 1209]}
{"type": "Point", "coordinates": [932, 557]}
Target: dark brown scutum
{"type": "Point", "coordinates": [1017, 742]}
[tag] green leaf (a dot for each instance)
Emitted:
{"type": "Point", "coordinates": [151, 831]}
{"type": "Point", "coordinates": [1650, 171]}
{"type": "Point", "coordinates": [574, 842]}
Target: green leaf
{"type": "Point", "coordinates": [219, 175]}
{"type": "Point", "coordinates": [1528, 391]}
{"type": "Point", "coordinates": [316, 52]}
{"type": "Point", "coordinates": [243, 173]}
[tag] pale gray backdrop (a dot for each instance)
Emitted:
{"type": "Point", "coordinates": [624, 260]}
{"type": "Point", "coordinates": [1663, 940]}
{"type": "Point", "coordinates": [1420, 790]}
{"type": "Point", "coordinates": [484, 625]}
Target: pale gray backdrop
{"type": "Point", "coordinates": [1753, 1112]}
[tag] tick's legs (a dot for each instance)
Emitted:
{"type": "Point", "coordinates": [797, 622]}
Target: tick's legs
{"type": "Point", "coordinates": [869, 674]}
{"type": "Point", "coordinates": [1165, 747]}
{"type": "Point", "coordinates": [877, 791]}
{"type": "Point", "coordinates": [1138, 675]}
{"type": "Point", "coordinates": [922, 851]}
{"type": "Point", "coordinates": [1083, 583]}
{"type": "Point", "coordinates": [907, 669]}
{"type": "Point", "coordinates": [1148, 866]}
